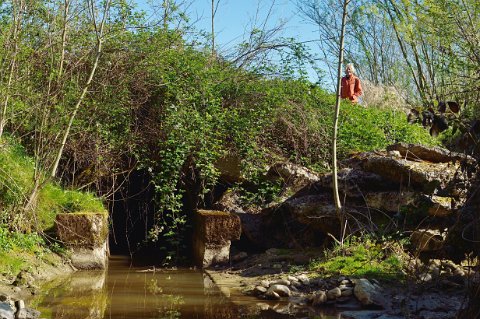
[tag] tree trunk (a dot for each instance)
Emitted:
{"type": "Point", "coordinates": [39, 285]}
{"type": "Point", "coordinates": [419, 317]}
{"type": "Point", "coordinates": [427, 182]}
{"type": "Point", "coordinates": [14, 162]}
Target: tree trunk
{"type": "Point", "coordinates": [85, 89]}
{"type": "Point", "coordinates": [338, 204]}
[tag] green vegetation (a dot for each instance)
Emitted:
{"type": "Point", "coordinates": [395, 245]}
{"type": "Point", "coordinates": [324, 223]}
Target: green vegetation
{"type": "Point", "coordinates": [363, 257]}
{"type": "Point", "coordinates": [21, 231]}
{"type": "Point", "coordinates": [14, 246]}
{"type": "Point", "coordinates": [155, 98]}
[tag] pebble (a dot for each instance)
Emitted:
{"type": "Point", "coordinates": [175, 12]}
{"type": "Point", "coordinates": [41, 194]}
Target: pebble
{"type": "Point", "coordinates": [334, 293]}
{"type": "Point", "coordinates": [258, 290]}
{"type": "Point", "coordinates": [265, 283]}
{"type": "Point", "coordinates": [280, 282]}
{"type": "Point", "coordinates": [425, 277]}
{"type": "Point", "coordinates": [304, 280]}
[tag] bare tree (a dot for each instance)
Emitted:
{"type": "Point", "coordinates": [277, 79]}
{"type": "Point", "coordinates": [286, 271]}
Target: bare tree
{"type": "Point", "coordinates": [338, 204]}
{"type": "Point", "coordinates": [18, 9]}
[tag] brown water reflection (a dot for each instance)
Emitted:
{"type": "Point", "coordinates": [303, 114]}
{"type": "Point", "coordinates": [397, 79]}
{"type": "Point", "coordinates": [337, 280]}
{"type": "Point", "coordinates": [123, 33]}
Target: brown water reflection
{"type": "Point", "coordinates": [128, 292]}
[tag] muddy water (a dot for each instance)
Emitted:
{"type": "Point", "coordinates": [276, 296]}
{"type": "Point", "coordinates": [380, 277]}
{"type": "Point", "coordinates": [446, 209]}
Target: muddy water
{"type": "Point", "coordinates": [128, 292]}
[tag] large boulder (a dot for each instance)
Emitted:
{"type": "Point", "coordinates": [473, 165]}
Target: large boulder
{"type": "Point", "coordinates": [86, 234]}
{"type": "Point", "coordinates": [422, 176]}
{"type": "Point", "coordinates": [293, 176]}
{"type": "Point", "coordinates": [432, 154]}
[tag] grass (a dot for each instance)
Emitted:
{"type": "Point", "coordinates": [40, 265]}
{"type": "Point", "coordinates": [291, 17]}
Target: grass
{"type": "Point", "coordinates": [20, 239]}
{"type": "Point", "coordinates": [362, 257]}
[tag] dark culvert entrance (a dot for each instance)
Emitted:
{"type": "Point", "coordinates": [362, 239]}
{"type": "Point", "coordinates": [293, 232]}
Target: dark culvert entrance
{"type": "Point", "coordinates": [131, 214]}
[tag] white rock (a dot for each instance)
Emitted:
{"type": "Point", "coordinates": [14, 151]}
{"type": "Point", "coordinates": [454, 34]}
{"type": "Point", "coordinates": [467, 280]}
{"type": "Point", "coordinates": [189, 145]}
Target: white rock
{"type": "Point", "coordinates": [280, 282]}
{"type": "Point", "coordinates": [281, 290]}
{"type": "Point", "coordinates": [304, 279]}
{"type": "Point", "coordinates": [366, 292]}
{"type": "Point", "coordinates": [258, 290]}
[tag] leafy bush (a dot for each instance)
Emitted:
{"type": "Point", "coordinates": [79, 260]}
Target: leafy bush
{"type": "Point", "coordinates": [367, 129]}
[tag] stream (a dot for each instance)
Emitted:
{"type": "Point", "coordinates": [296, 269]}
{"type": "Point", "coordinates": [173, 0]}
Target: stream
{"type": "Point", "coordinates": [124, 291]}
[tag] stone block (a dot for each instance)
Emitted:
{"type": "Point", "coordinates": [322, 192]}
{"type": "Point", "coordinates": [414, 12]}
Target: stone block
{"type": "Point", "coordinates": [86, 234]}
{"type": "Point", "coordinates": [217, 227]}
{"type": "Point", "coordinates": [213, 233]}
{"type": "Point", "coordinates": [82, 229]}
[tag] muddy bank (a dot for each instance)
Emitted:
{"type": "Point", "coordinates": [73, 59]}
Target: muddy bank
{"type": "Point", "coordinates": [17, 290]}
{"type": "Point", "coordinates": [271, 278]}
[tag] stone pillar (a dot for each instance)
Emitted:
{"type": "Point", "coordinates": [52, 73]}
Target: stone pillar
{"type": "Point", "coordinates": [87, 235]}
{"type": "Point", "coordinates": [212, 237]}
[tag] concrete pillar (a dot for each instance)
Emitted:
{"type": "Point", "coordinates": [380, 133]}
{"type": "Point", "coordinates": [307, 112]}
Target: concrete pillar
{"type": "Point", "coordinates": [87, 235]}
{"type": "Point", "coordinates": [213, 233]}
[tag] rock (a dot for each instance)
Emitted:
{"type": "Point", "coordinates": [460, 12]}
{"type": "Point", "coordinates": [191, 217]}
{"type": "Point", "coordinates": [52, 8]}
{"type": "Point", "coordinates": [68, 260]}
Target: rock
{"type": "Point", "coordinates": [347, 292]}
{"type": "Point", "coordinates": [6, 311]}
{"type": "Point", "coordinates": [283, 282]}
{"type": "Point", "coordinates": [20, 304]}
{"type": "Point", "coordinates": [304, 280]}
{"type": "Point", "coordinates": [27, 313]}
{"type": "Point", "coordinates": [431, 154]}
{"type": "Point", "coordinates": [265, 283]}
{"type": "Point", "coordinates": [334, 293]}
{"type": "Point", "coordinates": [214, 231]}
{"type": "Point", "coordinates": [437, 315]}
{"type": "Point", "coordinates": [272, 295]}
{"type": "Point", "coordinates": [425, 277]}
{"type": "Point", "coordinates": [319, 298]}
{"type": "Point", "coordinates": [368, 314]}
{"type": "Point", "coordinates": [390, 201]}
{"type": "Point", "coordinates": [427, 239]}
{"type": "Point", "coordinates": [292, 175]}
{"type": "Point", "coordinates": [367, 293]}
{"type": "Point", "coordinates": [292, 279]}
{"type": "Point", "coordinates": [281, 290]}
{"type": "Point", "coordinates": [82, 229]}
{"type": "Point", "coordinates": [422, 176]}
{"type": "Point", "coordinates": [90, 258]}
{"type": "Point", "coordinates": [259, 290]}
{"type": "Point", "coordinates": [230, 168]}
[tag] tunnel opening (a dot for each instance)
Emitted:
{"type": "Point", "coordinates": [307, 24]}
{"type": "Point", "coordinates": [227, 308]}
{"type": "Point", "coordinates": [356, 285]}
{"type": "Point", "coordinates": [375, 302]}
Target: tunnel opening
{"type": "Point", "coordinates": [132, 218]}
{"type": "Point", "coordinates": [131, 214]}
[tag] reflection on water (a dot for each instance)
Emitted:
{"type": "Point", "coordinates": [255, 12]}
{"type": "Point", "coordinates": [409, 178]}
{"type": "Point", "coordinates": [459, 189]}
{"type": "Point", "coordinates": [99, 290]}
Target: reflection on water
{"type": "Point", "coordinates": [127, 292]}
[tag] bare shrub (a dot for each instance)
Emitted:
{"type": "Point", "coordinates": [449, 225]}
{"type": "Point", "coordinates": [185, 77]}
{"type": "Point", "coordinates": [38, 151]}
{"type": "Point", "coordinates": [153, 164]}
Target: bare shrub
{"type": "Point", "coordinates": [383, 97]}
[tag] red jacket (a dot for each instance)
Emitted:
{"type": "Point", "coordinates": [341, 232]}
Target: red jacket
{"type": "Point", "coordinates": [351, 88]}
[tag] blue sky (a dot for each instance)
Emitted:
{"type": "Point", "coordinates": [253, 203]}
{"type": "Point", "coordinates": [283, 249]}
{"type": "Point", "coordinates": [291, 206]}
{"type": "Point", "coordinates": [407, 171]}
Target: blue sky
{"type": "Point", "coordinates": [234, 18]}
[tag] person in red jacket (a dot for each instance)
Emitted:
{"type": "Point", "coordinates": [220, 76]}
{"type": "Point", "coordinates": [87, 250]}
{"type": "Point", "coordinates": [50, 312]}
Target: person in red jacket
{"type": "Point", "coordinates": [351, 87]}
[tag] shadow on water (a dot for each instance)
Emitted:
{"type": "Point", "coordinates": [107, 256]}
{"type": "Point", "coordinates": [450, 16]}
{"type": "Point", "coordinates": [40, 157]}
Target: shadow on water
{"type": "Point", "coordinates": [128, 292]}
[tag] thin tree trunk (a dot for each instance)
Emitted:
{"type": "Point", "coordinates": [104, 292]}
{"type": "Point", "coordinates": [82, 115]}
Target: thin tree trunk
{"type": "Point", "coordinates": [17, 16]}
{"type": "Point", "coordinates": [213, 27]}
{"type": "Point", "coordinates": [64, 38]}
{"type": "Point", "coordinates": [338, 204]}
{"type": "Point", "coordinates": [86, 87]}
